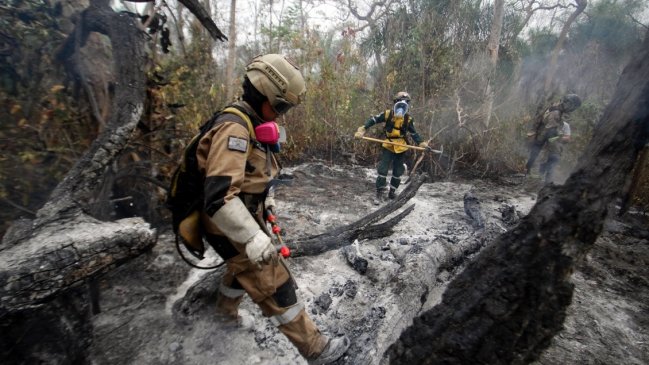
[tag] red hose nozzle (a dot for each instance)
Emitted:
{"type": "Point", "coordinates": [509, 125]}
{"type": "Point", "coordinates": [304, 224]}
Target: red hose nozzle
{"type": "Point", "coordinates": [285, 252]}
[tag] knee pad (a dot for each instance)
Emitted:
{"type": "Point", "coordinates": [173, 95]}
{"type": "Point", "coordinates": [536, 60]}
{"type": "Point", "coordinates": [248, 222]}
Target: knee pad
{"type": "Point", "coordinates": [285, 295]}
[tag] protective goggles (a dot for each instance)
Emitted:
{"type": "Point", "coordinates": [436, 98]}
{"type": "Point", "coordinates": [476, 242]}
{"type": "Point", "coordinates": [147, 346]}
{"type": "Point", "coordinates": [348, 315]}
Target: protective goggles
{"type": "Point", "coordinates": [401, 108]}
{"type": "Point", "coordinates": [280, 105]}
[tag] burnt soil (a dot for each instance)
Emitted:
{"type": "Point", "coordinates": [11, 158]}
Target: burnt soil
{"type": "Point", "coordinates": [607, 322]}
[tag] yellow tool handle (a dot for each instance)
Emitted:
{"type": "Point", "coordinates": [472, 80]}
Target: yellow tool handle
{"type": "Point", "coordinates": [393, 143]}
{"type": "Point", "coordinates": [399, 144]}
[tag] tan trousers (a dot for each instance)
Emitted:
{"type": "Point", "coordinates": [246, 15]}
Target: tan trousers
{"type": "Point", "coordinates": [260, 285]}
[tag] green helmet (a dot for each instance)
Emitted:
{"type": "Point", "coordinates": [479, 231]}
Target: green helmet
{"type": "Point", "coordinates": [278, 79]}
{"type": "Point", "coordinates": [570, 102]}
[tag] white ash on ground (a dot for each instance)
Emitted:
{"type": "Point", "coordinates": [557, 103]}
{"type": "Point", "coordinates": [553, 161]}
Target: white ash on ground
{"type": "Point", "coordinates": [405, 274]}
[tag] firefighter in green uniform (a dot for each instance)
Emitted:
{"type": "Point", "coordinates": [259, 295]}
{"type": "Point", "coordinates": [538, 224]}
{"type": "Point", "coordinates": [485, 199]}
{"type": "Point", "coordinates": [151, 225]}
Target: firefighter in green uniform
{"type": "Point", "coordinates": [236, 157]}
{"type": "Point", "coordinates": [551, 132]}
{"type": "Point", "coordinates": [398, 124]}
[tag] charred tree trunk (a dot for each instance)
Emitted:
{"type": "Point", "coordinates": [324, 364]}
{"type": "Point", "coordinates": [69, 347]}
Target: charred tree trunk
{"type": "Point", "coordinates": [44, 263]}
{"type": "Point", "coordinates": [492, 53]}
{"type": "Point", "coordinates": [506, 306]}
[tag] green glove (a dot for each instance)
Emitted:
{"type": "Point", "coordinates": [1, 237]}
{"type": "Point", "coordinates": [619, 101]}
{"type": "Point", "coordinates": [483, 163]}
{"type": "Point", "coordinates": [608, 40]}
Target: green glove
{"type": "Point", "coordinates": [553, 139]}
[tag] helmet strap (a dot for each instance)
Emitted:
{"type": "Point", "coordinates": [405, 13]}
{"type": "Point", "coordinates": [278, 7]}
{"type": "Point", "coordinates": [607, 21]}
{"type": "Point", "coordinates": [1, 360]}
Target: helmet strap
{"type": "Point", "coordinates": [252, 96]}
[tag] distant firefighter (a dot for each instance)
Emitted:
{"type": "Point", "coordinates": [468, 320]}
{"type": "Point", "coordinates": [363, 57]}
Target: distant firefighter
{"type": "Point", "coordinates": [398, 125]}
{"type": "Point", "coordinates": [551, 132]}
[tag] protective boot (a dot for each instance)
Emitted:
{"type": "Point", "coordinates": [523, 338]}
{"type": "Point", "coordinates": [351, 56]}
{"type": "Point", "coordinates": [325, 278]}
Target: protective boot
{"type": "Point", "coordinates": [392, 193]}
{"type": "Point", "coordinates": [379, 196]}
{"type": "Point", "coordinates": [229, 307]}
{"type": "Point", "coordinates": [335, 348]}
{"type": "Point", "coordinates": [304, 335]}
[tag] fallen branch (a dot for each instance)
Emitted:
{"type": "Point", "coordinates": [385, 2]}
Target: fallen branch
{"type": "Point", "coordinates": [315, 245]}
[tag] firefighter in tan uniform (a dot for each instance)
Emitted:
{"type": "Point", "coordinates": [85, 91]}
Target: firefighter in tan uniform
{"type": "Point", "coordinates": [236, 157]}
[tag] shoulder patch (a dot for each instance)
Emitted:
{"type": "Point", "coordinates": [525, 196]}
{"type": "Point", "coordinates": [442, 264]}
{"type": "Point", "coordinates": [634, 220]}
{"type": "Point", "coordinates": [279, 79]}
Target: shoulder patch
{"type": "Point", "coordinates": [237, 144]}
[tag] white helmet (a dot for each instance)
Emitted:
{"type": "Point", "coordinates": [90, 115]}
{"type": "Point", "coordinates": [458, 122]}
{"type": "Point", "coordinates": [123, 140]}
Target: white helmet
{"type": "Point", "coordinates": [278, 79]}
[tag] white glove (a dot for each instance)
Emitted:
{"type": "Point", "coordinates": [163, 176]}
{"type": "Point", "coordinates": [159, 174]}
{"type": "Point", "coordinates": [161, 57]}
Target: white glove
{"type": "Point", "coordinates": [259, 248]}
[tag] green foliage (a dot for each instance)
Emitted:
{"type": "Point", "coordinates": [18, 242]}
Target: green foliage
{"type": "Point", "coordinates": [43, 127]}
{"type": "Point", "coordinates": [335, 97]}
{"type": "Point", "coordinates": [542, 41]}
{"type": "Point", "coordinates": [425, 47]}
{"type": "Point", "coordinates": [421, 54]}
{"type": "Point", "coordinates": [609, 27]}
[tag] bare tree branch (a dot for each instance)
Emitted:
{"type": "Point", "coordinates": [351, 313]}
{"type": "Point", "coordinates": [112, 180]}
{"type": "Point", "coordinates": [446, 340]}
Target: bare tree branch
{"type": "Point", "coordinates": [204, 17]}
{"type": "Point", "coordinates": [552, 68]}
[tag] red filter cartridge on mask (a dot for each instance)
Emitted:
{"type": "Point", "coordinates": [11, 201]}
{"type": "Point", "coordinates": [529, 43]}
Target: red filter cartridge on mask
{"type": "Point", "coordinates": [267, 133]}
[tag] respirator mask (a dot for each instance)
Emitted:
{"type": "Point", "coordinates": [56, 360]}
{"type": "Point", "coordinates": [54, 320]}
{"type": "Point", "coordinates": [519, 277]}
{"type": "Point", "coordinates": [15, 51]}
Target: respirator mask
{"type": "Point", "coordinates": [400, 108]}
{"type": "Point", "coordinates": [271, 134]}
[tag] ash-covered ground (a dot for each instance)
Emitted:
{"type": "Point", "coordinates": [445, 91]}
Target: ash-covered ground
{"type": "Point", "coordinates": [608, 322]}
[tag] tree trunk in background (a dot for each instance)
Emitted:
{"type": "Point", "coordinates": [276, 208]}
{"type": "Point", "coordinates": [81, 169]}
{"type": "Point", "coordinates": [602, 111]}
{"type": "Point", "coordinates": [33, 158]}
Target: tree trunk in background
{"type": "Point", "coordinates": [270, 24]}
{"type": "Point", "coordinates": [232, 53]}
{"type": "Point", "coordinates": [506, 306]}
{"type": "Point", "coordinates": [492, 52]}
{"type": "Point", "coordinates": [552, 67]}
{"type": "Point", "coordinates": [380, 74]}
{"type": "Point", "coordinates": [180, 21]}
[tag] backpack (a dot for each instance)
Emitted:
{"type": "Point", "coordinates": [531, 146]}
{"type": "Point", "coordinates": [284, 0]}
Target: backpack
{"type": "Point", "coordinates": [539, 121]}
{"type": "Point", "coordinates": [185, 194]}
{"type": "Point", "coordinates": [389, 124]}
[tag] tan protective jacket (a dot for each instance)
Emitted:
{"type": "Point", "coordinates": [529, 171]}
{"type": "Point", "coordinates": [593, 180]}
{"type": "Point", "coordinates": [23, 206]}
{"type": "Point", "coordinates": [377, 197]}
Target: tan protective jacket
{"type": "Point", "coordinates": [552, 119]}
{"type": "Point", "coordinates": [234, 164]}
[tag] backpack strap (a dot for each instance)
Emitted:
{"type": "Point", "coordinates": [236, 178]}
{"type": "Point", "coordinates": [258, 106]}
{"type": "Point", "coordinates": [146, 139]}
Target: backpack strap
{"type": "Point", "coordinates": [245, 117]}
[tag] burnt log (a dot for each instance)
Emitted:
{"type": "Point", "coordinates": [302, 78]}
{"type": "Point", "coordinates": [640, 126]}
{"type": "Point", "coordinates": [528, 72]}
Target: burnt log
{"type": "Point", "coordinates": [63, 229]}
{"type": "Point", "coordinates": [56, 332]}
{"type": "Point", "coordinates": [354, 257]}
{"type": "Point", "coordinates": [361, 229]}
{"type": "Point", "coordinates": [506, 306]}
